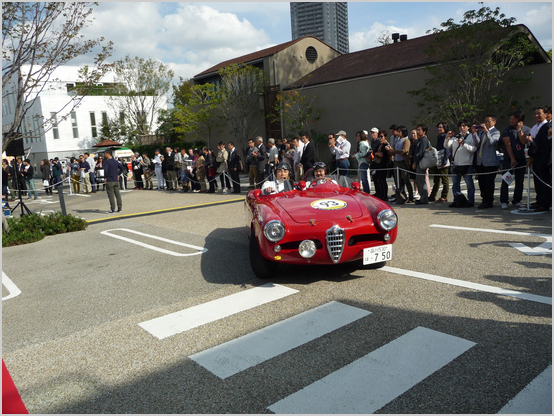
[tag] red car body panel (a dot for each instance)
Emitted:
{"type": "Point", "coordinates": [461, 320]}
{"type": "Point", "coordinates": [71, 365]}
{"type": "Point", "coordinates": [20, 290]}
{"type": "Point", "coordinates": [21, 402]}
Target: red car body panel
{"type": "Point", "coordinates": [353, 211]}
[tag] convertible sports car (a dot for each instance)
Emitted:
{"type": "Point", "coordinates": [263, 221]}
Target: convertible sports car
{"type": "Point", "coordinates": [322, 222]}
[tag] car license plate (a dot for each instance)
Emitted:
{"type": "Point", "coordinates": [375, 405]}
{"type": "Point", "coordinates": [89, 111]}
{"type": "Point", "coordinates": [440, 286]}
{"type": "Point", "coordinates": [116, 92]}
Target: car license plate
{"type": "Point", "coordinates": [377, 254]}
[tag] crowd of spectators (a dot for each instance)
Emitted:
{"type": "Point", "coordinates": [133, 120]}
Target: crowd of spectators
{"type": "Point", "coordinates": [480, 150]}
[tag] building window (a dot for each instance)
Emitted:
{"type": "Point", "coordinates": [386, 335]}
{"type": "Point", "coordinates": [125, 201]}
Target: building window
{"type": "Point", "coordinates": [311, 54]}
{"type": "Point", "coordinates": [74, 125]}
{"type": "Point", "coordinates": [93, 124]}
{"type": "Point", "coordinates": [104, 118]}
{"type": "Point", "coordinates": [122, 118]}
{"type": "Point", "coordinates": [55, 126]}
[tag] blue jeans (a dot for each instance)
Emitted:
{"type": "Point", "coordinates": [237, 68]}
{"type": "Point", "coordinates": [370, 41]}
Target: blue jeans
{"type": "Point", "coordinates": [342, 166]}
{"type": "Point", "coordinates": [468, 179]}
{"type": "Point", "coordinates": [365, 182]}
{"type": "Point", "coordinates": [160, 176]}
{"type": "Point", "coordinates": [31, 186]}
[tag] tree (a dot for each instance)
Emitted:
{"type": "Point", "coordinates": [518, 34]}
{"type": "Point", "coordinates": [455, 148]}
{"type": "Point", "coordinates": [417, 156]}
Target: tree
{"type": "Point", "coordinates": [384, 38]}
{"type": "Point", "coordinates": [241, 89]}
{"type": "Point", "coordinates": [37, 38]}
{"type": "Point", "coordinates": [111, 128]}
{"type": "Point", "coordinates": [139, 91]}
{"type": "Point", "coordinates": [474, 73]}
{"type": "Point", "coordinates": [296, 110]}
{"type": "Point", "coordinates": [197, 112]}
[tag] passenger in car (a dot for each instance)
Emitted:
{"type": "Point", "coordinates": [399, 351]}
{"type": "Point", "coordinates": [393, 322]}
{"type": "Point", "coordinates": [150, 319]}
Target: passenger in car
{"type": "Point", "coordinates": [282, 183]}
{"type": "Point", "coordinates": [319, 175]}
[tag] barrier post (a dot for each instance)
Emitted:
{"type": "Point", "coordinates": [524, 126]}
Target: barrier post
{"type": "Point", "coordinates": [62, 200]}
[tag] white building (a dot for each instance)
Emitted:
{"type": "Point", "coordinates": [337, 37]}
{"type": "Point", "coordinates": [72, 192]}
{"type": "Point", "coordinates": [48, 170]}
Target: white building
{"type": "Point", "coordinates": [70, 136]}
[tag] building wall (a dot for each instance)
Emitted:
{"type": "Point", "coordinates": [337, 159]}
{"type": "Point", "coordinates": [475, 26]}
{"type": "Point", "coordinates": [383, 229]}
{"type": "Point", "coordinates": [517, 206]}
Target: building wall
{"type": "Point", "coordinates": [291, 64]}
{"type": "Point", "coordinates": [380, 101]}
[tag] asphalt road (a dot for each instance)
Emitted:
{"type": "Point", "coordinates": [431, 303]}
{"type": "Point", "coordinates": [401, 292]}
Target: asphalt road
{"type": "Point", "coordinates": [429, 333]}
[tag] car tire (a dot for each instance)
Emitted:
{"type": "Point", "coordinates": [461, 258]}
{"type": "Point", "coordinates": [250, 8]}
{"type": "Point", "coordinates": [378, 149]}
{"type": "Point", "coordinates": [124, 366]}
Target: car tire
{"type": "Point", "coordinates": [262, 267]}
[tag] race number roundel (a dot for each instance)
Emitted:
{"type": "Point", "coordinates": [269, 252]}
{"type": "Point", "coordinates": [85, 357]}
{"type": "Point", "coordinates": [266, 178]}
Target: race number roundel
{"type": "Point", "coordinates": [329, 204]}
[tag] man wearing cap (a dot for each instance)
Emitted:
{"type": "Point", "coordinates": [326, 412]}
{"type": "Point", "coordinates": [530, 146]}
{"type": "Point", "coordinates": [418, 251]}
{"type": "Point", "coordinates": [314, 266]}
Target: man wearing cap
{"type": "Point", "coordinates": [340, 148]}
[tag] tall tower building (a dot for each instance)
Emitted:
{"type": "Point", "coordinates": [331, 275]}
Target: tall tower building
{"type": "Point", "coordinates": [327, 21]}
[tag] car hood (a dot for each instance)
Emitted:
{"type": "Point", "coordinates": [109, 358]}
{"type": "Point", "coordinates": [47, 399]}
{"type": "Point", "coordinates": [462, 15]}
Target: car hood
{"type": "Point", "coordinates": [308, 206]}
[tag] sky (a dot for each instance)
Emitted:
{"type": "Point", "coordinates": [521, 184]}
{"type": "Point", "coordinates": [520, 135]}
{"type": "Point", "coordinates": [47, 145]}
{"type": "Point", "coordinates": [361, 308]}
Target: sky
{"type": "Point", "coordinates": [192, 37]}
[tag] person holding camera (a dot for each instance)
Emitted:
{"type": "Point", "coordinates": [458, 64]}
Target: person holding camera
{"type": "Point", "coordinates": [486, 163]}
{"type": "Point", "coordinates": [340, 148]}
{"type": "Point", "coordinates": [422, 144]}
{"type": "Point", "coordinates": [463, 146]}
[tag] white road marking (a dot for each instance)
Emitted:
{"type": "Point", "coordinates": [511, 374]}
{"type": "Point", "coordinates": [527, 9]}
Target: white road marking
{"type": "Point", "coordinates": [177, 322]}
{"type": "Point", "coordinates": [544, 248]}
{"type": "Point", "coordinates": [535, 398]}
{"type": "Point", "coordinates": [200, 250]}
{"type": "Point", "coordinates": [475, 286]}
{"type": "Point", "coordinates": [10, 286]}
{"type": "Point", "coordinates": [239, 354]}
{"type": "Point", "coordinates": [369, 383]}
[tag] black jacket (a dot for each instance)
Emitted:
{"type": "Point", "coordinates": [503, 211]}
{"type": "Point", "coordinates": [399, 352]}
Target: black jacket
{"type": "Point", "coordinates": [234, 160]}
{"type": "Point", "coordinates": [308, 156]}
{"type": "Point", "coordinates": [169, 161]}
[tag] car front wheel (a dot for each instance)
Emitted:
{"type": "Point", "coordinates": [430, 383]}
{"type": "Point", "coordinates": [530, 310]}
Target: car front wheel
{"type": "Point", "coordinates": [262, 267]}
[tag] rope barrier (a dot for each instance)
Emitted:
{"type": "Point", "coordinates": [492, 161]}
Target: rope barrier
{"type": "Point", "coordinates": [537, 176]}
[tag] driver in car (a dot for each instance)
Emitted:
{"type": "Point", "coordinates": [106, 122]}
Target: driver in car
{"type": "Point", "coordinates": [282, 183]}
{"type": "Point", "coordinates": [320, 177]}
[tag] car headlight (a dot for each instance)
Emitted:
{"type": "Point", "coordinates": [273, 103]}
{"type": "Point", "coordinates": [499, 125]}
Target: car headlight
{"type": "Point", "coordinates": [387, 219]}
{"type": "Point", "coordinates": [274, 231]}
{"type": "Point", "coordinates": [307, 249]}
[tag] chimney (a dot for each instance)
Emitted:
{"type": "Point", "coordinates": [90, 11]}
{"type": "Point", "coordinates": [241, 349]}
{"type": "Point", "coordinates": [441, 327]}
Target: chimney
{"type": "Point", "coordinates": [395, 37]}
{"type": "Point", "coordinates": [403, 38]}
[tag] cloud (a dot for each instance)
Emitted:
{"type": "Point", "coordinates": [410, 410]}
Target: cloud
{"type": "Point", "coordinates": [368, 39]}
{"type": "Point", "coordinates": [207, 31]}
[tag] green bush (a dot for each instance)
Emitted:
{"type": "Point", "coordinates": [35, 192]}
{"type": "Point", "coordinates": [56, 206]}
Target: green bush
{"type": "Point", "coordinates": [31, 228]}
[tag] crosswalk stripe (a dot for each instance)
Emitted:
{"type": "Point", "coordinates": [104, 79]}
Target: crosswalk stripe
{"type": "Point", "coordinates": [369, 383]}
{"type": "Point", "coordinates": [535, 398]}
{"type": "Point", "coordinates": [237, 355]}
{"type": "Point", "coordinates": [177, 322]}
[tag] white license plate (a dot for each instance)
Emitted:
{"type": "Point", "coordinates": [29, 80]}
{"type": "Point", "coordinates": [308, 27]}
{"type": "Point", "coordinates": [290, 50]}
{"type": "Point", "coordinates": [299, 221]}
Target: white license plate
{"type": "Point", "coordinates": [377, 254]}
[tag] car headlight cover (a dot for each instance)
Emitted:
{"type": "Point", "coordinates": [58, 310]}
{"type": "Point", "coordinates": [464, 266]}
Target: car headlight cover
{"type": "Point", "coordinates": [274, 231]}
{"type": "Point", "coordinates": [387, 219]}
{"type": "Point", "coordinates": [307, 249]}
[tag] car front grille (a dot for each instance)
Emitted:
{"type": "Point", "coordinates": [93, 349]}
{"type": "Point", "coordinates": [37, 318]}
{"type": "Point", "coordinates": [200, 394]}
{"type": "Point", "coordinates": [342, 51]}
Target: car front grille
{"type": "Point", "coordinates": [334, 238]}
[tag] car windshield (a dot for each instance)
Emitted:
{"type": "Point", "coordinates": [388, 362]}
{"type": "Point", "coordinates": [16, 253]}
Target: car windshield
{"type": "Point", "coordinates": [322, 180]}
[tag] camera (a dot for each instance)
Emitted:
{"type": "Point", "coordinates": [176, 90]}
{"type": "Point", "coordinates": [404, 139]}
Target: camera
{"type": "Point", "coordinates": [478, 127]}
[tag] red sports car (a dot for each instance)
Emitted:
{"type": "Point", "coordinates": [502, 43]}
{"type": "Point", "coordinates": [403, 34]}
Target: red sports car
{"type": "Point", "coordinates": [323, 222]}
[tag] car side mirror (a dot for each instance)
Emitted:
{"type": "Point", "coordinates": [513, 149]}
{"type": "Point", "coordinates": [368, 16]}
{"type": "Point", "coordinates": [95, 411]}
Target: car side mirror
{"type": "Point", "coordinates": [257, 193]}
{"type": "Point", "coordinates": [356, 186]}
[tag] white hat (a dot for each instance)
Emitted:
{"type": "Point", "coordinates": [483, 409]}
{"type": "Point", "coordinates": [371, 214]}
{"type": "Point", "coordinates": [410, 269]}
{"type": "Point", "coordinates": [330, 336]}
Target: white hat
{"type": "Point", "coordinates": [365, 132]}
{"type": "Point", "coordinates": [374, 130]}
{"type": "Point", "coordinates": [341, 133]}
